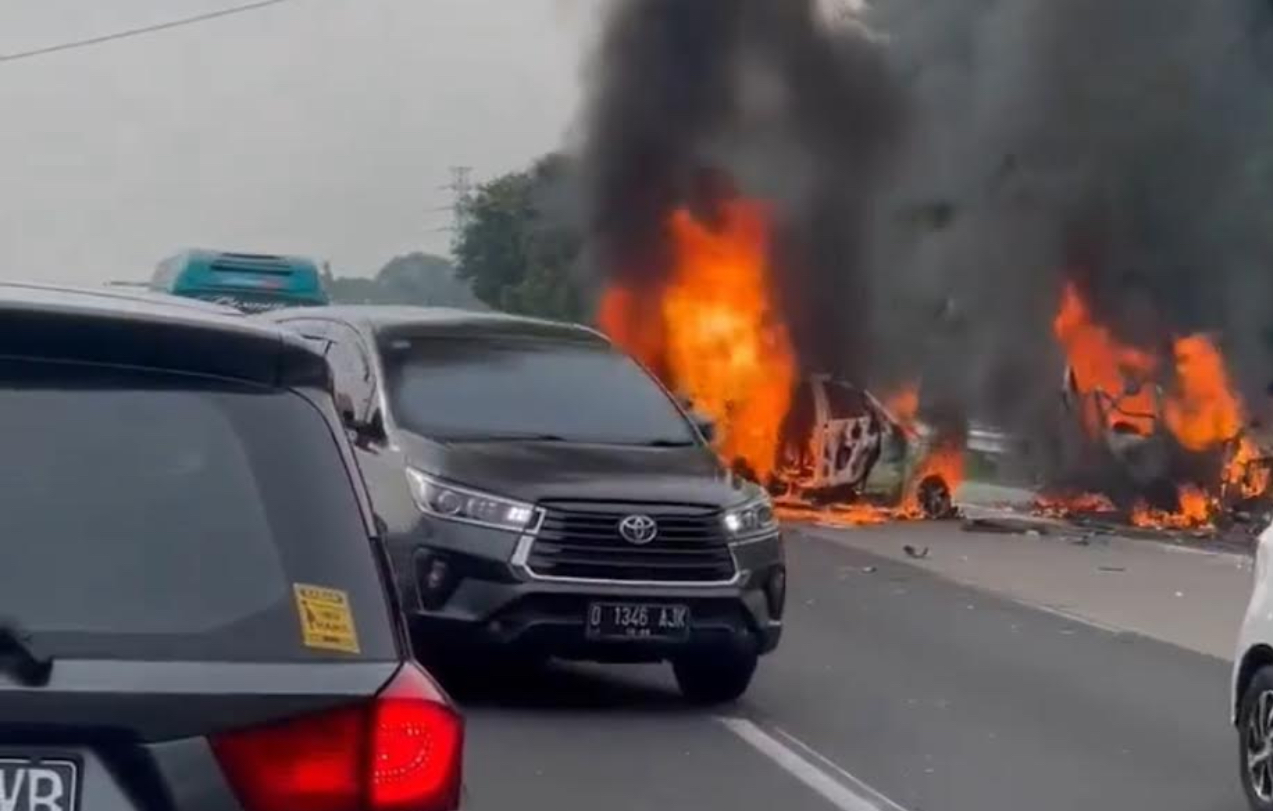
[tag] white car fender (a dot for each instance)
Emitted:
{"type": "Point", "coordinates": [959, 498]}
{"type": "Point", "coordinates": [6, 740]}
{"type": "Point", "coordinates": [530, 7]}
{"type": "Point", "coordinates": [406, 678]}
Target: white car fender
{"type": "Point", "coordinates": [1257, 625]}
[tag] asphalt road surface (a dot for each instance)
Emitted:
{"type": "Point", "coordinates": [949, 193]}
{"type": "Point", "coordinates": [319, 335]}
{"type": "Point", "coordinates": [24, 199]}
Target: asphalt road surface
{"type": "Point", "coordinates": [892, 689]}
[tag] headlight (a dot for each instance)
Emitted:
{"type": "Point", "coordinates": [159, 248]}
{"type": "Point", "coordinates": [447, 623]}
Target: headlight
{"type": "Point", "coordinates": [754, 518]}
{"type": "Point", "coordinates": [454, 503]}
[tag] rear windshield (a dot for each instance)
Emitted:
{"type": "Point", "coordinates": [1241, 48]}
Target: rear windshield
{"type": "Point", "coordinates": [493, 388]}
{"type": "Point", "coordinates": [156, 516]}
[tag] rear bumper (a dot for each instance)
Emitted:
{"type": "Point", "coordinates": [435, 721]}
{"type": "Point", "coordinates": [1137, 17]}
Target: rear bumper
{"type": "Point", "coordinates": [478, 592]}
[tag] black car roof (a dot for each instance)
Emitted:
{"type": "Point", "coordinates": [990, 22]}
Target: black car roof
{"type": "Point", "coordinates": [402, 321]}
{"type": "Point", "coordinates": [153, 331]}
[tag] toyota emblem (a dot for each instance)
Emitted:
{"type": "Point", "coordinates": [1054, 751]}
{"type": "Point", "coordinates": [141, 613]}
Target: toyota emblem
{"type": "Point", "coordinates": [638, 529]}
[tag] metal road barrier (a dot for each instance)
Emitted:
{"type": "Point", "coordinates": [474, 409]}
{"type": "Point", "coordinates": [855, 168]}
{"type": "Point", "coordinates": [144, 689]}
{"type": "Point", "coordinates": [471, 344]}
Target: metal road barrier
{"type": "Point", "coordinates": [986, 440]}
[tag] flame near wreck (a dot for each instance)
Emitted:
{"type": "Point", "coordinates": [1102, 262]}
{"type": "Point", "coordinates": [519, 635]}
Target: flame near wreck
{"type": "Point", "coordinates": [709, 328]}
{"type": "Point", "coordinates": [732, 153]}
{"type": "Point", "coordinates": [1169, 414]}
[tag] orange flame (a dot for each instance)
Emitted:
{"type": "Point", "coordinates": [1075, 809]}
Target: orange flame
{"type": "Point", "coordinates": [1062, 505]}
{"type": "Point", "coordinates": [903, 404]}
{"type": "Point", "coordinates": [1103, 366]}
{"type": "Point", "coordinates": [840, 515]}
{"type": "Point", "coordinates": [1203, 410]}
{"type": "Point", "coordinates": [712, 332]}
{"type": "Point", "coordinates": [1194, 513]}
{"type": "Point", "coordinates": [1245, 472]}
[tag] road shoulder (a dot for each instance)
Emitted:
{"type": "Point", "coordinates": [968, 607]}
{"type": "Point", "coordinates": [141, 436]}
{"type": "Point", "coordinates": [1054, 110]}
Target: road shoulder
{"type": "Point", "coordinates": [1186, 597]}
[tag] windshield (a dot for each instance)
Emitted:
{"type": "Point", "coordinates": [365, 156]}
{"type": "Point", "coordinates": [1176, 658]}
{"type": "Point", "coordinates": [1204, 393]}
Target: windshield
{"type": "Point", "coordinates": [151, 514]}
{"type": "Point", "coordinates": [475, 389]}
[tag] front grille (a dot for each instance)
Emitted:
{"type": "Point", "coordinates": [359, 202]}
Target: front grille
{"type": "Point", "coordinates": [582, 540]}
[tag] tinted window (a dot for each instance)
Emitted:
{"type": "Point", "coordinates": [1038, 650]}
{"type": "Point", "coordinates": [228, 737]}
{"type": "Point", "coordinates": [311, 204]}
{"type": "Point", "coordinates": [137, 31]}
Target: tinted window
{"type": "Point", "coordinates": [492, 388]}
{"type": "Point", "coordinates": [162, 516]}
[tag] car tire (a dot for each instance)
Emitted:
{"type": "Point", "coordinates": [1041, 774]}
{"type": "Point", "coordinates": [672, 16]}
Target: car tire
{"type": "Point", "coordinates": [715, 679]}
{"type": "Point", "coordinates": [1255, 740]}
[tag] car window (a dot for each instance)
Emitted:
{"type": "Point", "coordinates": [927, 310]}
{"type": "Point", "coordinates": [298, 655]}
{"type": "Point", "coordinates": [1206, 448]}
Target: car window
{"type": "Point", "coordinates": [161, 515]}
{"type": "Point", "coordinates": [496, 387]}
{"type": "Point", "coordinates": [846, 402]}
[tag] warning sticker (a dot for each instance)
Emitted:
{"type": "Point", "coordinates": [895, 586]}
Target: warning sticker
{"type": "Point", "coordinates": [326, 621]}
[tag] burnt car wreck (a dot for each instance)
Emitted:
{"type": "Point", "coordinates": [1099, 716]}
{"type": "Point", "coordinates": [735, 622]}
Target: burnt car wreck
{"type": "Point", "coordinates": [1122, 442]}
{"type": "Point", "coordinates": [842, 445]}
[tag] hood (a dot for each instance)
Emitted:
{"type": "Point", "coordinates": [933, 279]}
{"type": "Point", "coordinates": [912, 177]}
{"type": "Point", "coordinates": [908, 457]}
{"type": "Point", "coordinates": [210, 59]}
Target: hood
{"type": "Point", "coordinates": [539, 471]}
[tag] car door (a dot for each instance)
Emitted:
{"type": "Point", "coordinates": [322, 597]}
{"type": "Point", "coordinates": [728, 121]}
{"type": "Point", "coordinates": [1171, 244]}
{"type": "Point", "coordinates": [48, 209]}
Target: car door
{"type": "Point", "coordinates": [852, 435]}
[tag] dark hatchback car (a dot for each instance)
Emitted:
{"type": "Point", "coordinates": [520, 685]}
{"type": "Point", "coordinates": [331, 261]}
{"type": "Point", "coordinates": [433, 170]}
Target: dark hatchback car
{"type": "Point", "coordinates": [544, 495]}
{"type": "Point", "coordinates": [194, 610]}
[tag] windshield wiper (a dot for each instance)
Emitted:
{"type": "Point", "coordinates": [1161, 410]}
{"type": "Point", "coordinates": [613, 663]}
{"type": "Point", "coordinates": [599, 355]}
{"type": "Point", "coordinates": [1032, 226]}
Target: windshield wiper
{"type": "Point", "coordinates": [21, 656]}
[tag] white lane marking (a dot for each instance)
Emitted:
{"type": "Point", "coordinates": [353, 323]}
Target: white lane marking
{"type": "Point", "coordinates": [847, 793]}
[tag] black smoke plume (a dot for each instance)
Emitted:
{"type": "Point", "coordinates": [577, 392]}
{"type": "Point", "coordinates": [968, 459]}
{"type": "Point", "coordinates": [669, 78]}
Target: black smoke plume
{"type": "Point", "coordinates": [692, 99]}
{"type": "Point", "coordinates": [1125, 145]}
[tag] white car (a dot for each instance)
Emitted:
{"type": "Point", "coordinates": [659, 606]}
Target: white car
{"type": "Point", "coordinates": [1252, 696]}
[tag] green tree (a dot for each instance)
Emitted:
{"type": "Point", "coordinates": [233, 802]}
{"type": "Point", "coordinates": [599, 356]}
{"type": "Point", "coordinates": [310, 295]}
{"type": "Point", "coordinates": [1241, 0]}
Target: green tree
{"type": "Point", "coordinates": [417, 279]}
{"type": "Point", "coordinates": [519, 250]}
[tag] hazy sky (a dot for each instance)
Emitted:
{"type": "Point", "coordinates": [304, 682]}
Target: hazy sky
{"type": "Point", "coordinates": [322, 127]}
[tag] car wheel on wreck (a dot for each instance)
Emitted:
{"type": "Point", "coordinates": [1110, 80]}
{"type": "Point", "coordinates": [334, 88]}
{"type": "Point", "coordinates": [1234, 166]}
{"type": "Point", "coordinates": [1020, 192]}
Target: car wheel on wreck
{"type": "Point", "coordinates": [934, 497]}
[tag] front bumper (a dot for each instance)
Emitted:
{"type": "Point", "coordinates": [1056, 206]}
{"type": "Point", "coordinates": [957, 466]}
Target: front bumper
{"type": "Point", "coordinates": [470, 587]}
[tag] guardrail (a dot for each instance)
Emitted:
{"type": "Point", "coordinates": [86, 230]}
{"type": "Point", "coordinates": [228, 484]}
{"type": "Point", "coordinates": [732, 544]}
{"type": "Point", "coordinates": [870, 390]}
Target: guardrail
{"type": "Point", "coordinates": [985, 440]}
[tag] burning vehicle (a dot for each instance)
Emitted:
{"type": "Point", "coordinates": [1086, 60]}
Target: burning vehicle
{"type": "Point", "coordinates": [709, 329]}
{"type": "Point", "coordinates": [843, 445]}
{"type": "Point", "coordinates": [1170, 440]}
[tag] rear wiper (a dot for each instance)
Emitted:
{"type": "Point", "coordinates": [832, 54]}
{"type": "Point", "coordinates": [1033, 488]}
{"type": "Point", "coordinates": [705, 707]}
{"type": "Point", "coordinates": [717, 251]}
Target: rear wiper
{"type": "Point", "coordinates": [21, 656]}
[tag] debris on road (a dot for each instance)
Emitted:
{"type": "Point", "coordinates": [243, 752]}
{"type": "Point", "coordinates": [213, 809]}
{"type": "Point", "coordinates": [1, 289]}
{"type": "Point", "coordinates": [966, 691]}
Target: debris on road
{"type": "Point", "coordinates": [912, 552]}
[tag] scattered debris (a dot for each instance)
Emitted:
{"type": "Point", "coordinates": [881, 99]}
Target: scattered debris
{"type": "Point", "coordinates": [1111, 568]}
{"type": "Point", "coordinates": [868, 569]}
{"type": "Point", "coordinates": [918, 554]}
{"type": "Point", "coordinates": [1004, 526]}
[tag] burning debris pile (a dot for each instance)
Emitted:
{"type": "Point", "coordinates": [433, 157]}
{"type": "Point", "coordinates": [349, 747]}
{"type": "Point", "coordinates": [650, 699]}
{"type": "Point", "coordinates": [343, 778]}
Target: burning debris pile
{"type": "Point", "coordinates": [1094, 224]}
{"type": "Point", "coordinates": [733, 148]}
{"type": "Point", "coordinates": [1161, 426]}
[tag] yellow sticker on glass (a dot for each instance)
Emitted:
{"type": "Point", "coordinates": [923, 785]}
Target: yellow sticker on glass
{"type": "Point", "coordinates": [326, 620]}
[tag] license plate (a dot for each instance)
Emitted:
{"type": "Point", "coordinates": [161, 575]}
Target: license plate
{"type": "Point", "coordinates": [638, 621]}
{"type": "Point", "coordinates": [38, 784]}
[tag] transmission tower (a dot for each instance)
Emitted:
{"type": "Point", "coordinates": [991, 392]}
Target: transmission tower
{"type": "Point", "coordinates": [461, 208]}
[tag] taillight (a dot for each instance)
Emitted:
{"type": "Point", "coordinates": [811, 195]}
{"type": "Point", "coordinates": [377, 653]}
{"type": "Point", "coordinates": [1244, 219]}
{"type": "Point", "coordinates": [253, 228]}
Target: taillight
{"type": "Point", "coordinates": [401, 751]}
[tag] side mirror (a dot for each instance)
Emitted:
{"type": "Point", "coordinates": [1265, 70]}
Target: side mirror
{"type": "Point", "coordinates": [345, 408]}
{"type": "Point", "coordinates": [705, 425]}
{"type": "Point", "coordinates": [371, 428]}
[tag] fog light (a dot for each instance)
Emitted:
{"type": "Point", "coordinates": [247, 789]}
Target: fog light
{"type": "Point", "coordinates": [435, 580]}
{"type": "Point", "coordinates": [776, 592]}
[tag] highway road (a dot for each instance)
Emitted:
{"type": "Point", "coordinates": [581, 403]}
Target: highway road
{"type": "Point", "coordinates": [895, 687]}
